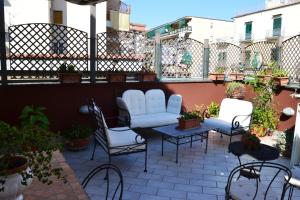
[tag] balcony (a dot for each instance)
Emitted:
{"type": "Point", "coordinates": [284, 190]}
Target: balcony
{"type": "Point", "coordinates": [246, 38]}
{"type": "Point", "coordinates": [273, 34]}
{"type": "Point", "coordinates": [174, 33]}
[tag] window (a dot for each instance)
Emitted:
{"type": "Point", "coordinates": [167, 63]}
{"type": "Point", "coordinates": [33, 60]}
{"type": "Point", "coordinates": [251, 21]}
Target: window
{"type": "Point", "coordinates": [57, 17]}
{"type": "Point", "coordinates": [277, 25]}
{"type": "Point", "coordinates": [248, 30]}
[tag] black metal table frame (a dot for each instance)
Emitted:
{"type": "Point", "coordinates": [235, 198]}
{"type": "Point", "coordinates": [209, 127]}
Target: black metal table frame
{"type": "Point", "coordinates": [176, 140]}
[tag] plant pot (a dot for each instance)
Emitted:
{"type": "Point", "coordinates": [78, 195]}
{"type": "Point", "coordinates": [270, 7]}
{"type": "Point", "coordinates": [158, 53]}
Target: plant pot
{"type": "Point", "coordinates": [264, 78]}
{"type": "Point", "coordinates": [147, 77]}
{"type": "Point", "coordinates": [238, 93]}
{"type": "Point", "coordinates": [70, 77]}
{"type": "Point", "coordinates": [13, 188]}
{"type": "Point", "coordinates": [280, 81]}
{"type": "Point", "coordinates": [236, 76]}
{"type": "Point", "coordinates": [217, 76]}
{"type": "Point", "coordinates": [116, 77]}
{"type": "Point", "coordinates": [78, 144]}
{"type": "Point", "coordinates": [188, 124]}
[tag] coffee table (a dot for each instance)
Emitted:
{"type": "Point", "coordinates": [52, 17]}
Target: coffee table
{"type": "Point", "coordinates": [172, 134]}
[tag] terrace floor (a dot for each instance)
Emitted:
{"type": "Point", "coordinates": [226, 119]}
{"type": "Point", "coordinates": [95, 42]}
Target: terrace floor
{"type": "Point", "coordinates": [196, 176]}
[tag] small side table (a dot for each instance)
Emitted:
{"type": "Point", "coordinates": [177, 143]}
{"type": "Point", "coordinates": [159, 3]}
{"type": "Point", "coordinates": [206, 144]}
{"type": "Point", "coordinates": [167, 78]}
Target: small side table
{"type": "Point", "coordinates": [264, 153]}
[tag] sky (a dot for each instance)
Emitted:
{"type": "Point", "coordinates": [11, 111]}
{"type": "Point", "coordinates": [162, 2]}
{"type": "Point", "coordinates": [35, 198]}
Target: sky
{"type": "Point", "coordinates": [157, 12]}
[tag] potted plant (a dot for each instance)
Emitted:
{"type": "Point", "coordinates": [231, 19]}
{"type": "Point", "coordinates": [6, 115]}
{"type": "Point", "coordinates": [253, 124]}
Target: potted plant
{"type": "Point", "coordinates": [147, 74]}
{"type": "Point", "coordinates": [218, 74]}
{"type": "Point", "coordinates": [280, 77]}
{"type": "Point", "coordinates": [264, 76]}
{"type": "Point", "coordinates": [192, 119]}
{"type": "Point", "coordinates": [235, 90]}
{"type": "Point", "coordinates": [115, 75]}
{"type": "Point", "coordinates": [213, 109]}
{"type": "Point", "coordinates": [77, 137]}
{"type": "Point", "coordinates": [250, 141]}
{"type": "Point", "coordinates": [237, 75]}
{"type": "Point", "coordinates": [68, 74]}
{"type": "Point", "coordinates": [26, 152]}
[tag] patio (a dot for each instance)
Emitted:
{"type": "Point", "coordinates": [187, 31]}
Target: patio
{"type": "Point", "coordinates": [196, 176]}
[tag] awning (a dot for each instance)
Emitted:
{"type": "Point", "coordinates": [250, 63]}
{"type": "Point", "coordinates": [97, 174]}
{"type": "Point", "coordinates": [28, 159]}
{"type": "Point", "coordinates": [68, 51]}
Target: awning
{"type": "Point", "coordinates": [85, 2]}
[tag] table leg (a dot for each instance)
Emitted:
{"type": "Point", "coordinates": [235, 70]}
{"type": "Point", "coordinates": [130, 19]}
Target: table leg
{"type": "Point", "coordinates": [191, 144]}
{"type": "Point", "coordinates": [162, 145]}
{"type": "Point", "coordinates": [177, 144]}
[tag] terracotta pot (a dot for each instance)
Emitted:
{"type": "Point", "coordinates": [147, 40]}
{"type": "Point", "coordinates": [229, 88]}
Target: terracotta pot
{"type": "Point", "coordinates": [147, 77]}
{"type": "Point", "coordinates": [236, 76]}
{"type": "Point", "coordinates": [78, 144]}
{"type": "Point", "coordinates": [280, 81]}
{"type": "Point", "coordinates": [264, 78]}
{"type": "Point", "coordinates": [238, 93]}
{"type": "Point", "coordinates": [216, 76]}
{"type": "Point", "coordinates": [116, 77]}
{"type": "Point", "coordinates": [70, 77]}
{"type": "Point", "coordinates": [188, 124]}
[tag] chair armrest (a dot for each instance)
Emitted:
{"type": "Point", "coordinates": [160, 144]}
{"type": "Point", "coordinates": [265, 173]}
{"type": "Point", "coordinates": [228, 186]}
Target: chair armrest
{"type": "Point", "coordinates": [235, 124]}
{"type": "Point", "coordinates": [124, 117]}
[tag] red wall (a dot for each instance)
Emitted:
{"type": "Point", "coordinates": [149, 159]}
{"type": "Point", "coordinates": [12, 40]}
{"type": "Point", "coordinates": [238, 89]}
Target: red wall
{"type": "Point", "coordinates": [63, 101]}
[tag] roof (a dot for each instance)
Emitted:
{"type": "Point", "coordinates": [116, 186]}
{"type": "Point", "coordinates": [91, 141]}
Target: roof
{"type": "Point", "coordinates": [268, 9]}
{"type": "Point", "coordinates": [188, 17]}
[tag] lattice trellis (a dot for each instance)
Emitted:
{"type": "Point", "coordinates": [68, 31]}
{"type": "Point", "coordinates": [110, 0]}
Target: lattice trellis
{"type": "Point", "coordinates": [181, 58]}
{"type": "Point", "coordinates": [37, 50]}
{"type": "Point", "coordinates": [223, 54]}
{"type": "Point", "coordinates": [124, 51]}
{"type": "Point", "coordinates": [290, 57]}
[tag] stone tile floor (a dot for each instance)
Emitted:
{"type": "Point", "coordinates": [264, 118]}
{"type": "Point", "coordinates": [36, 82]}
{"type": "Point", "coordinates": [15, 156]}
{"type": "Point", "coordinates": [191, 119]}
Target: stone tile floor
{"type": "Point", "coordinates": [196, 176]}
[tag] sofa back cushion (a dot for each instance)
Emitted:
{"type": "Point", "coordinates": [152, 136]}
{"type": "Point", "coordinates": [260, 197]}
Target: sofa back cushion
{"type": "Point", "coordinates": [232, 107]}
{"type": "Point", "coordinates": [135, 101]}
{"type": "Point", "coordinates": [155, 101]}
{"type": "Point", "coordinates": [174, 104]}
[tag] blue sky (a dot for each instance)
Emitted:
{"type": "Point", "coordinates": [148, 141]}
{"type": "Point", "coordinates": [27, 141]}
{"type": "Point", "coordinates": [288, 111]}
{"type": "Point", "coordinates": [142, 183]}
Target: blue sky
{"type": "Point", "coordinates": [157, 12]}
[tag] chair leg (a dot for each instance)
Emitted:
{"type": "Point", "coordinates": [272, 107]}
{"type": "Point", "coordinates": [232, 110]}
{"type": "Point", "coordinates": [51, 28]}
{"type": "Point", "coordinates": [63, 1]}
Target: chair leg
{"type": "Point", "coordinates": [95, 143]}
{"type": "Point", "coordinates": [146, 153]}
{"type": "Point", "coordinates": [109, 162]}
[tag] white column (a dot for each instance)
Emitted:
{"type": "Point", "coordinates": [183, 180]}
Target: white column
{"type": "Point", "coordinates": [295, 158]}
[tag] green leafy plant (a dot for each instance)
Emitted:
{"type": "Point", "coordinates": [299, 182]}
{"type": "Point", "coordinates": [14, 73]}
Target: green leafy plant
{"type": "Point", "coordinates": [235, 89]}
{"type": "Point", "coordinates": [77, 132]}
{"type": "Point", "coordinates": [67, 68]}
{"type": "Point", "coordinates": [30, 145]}
{"type": "Point", "coordinates": [195, 114]}
{"type": "Point", "coordinates": [34, 116]}
{"type": "Point", "coordinates": [278, 72]}
{"type": "Point", "coordinates": [220, 70]}
{"type": "Point", "coordinates": [213, 109]}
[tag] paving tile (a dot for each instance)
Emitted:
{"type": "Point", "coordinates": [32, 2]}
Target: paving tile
{"type": "Point", "coordinates": [188, 188]}
{"type": "Point", "coordinates": [176, 180]}
{"type": "Point", "coordinates": [203, 183]}
{"type": "Point", "coordinates": [152, 197]}
{"type": "Point", "coordinates": [160, 184]}
{"type": "Point", "coordinates": [216, 191]}
{"type": "Point", "coordinates": [143, 189]}
{"type": "Point", "coordinates": [172, 193]}
{"type": "Point", "coordinates": [198, 196]}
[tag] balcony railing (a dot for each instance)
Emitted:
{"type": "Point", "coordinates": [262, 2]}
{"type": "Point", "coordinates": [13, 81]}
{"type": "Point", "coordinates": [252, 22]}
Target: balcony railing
{"type": "Point", "coordinates": [248, 36]}
{"type": "Point", "coordinates": [180, 30]}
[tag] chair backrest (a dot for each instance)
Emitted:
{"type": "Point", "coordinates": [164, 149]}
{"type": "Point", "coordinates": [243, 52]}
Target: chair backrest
{"type": "Point", "coordinates": [135, 101]}
{"type": "Point", "coordinates": [155, 101]}
{"type": "Point", "coordinates": [174, 104]}
{"type": "Point", "coordinates": [100, 133]}
{"type": "Point", "coordinates": [271, 174]}
{"type": "Point", "coordinates": [114, 185]}
{"type": "Point", "coordinates": [232, 107]}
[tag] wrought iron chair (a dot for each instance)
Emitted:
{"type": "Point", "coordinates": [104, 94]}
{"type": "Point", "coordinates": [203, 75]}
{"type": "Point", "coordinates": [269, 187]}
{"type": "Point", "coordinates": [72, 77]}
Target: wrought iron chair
{"type": "Point", "coordinates": [115, 141]}
{"type": "Point", "coordinates": [242, 188]}
{"type": "Point", "coordinates": [294, 182]}
{"type": "Point", "coordinates": [108, 168]}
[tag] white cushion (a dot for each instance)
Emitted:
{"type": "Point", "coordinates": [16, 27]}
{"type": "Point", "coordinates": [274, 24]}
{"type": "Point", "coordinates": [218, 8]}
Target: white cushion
{"type": "Point", "coordinates": [123, 138]}
{"type": "Point", "coordinates": [174, 104]}
{"type": "Point", "coordinates": [155, 101]}
{"type": "Point", "coordinates": [135, 101]}
{"type": "Point", "coordinates": [153, 120]}
{"type": "Point", "coordinates": [245, 189]}
{"type": "Point", "coordinates": [232, 107]}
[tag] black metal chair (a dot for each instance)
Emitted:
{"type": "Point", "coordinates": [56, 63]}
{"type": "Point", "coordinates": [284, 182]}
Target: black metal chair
{"type": "Point", "coordinates": [108, 168]}
{"type": "Point", "coordinates": [254, 188]}
{"type": "Point", "coordinates": [115, 141]}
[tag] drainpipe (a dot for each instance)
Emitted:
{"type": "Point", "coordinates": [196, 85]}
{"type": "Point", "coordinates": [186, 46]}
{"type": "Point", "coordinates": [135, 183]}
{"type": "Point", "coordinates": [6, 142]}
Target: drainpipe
{"type": "Point", "coordinates": [206, 59]}
{"type": "Point", "coordinates": [2, 44]}
{"type": "Point", "coordinates": [93, 43]}
{"type": "Point", "coordinates": [158, 54]}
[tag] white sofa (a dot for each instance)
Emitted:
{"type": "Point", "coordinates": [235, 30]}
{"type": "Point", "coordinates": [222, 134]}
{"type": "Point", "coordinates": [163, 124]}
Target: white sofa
{"type": "Point", "coordinates": [139, 110]}
{"type": "Point", "coordinates": [234, 117]}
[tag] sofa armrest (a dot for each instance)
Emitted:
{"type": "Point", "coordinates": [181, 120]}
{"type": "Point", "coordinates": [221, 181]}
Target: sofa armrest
{"type": "Point", "coordinates": [124, 118]}
{"type": "Point", "coordinates": [236, 124]}
{"type": "Point", "coordinates": [174, 104]}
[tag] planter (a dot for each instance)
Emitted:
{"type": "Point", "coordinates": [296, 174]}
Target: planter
{"type": "Point", "coordinates": [280, 81]}
{"type": "Point", "coordinates": [70, 77]}
{"type": "Point", "coordinates": [237, 94]}
{"type": "Point", "coordinates": [147, 77]}
{"type": "Point", "coordinates": [217, 76]}
{"type": "Point", "coordinates": [188, 124]}
{"type": "Point", "coordinates": [116, 77]}
{"type": "Point", "coordinates": [13, 187]}
{"type": "Point", "coordinates": [78, 144]}
{"type": "Point", "coordinates": [264, 78]}
{"type": "Point", "coordinates": [236, 76]}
